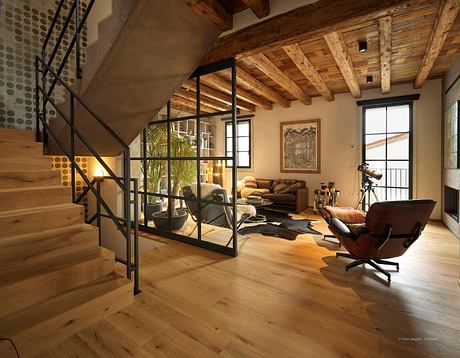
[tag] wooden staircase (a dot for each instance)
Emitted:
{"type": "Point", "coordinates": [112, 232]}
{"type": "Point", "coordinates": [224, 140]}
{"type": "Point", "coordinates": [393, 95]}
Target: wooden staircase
{"type": "Point", "coordinates": [54, 277]}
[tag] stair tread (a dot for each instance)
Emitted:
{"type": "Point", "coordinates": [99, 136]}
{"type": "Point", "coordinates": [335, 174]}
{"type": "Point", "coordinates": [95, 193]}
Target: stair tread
{"type": "Point", "coordinates": [28, 171]}
{"type": "Point", "coordinates": [35, 314]}
{"type": "Point", "coordinates": [54, 264]}
{"type": "Point", "coordinates": [38, 209]}
{"type": "Point", "coordinates": [33, 188]}
{"type": "Point", "coordinates": [71, 229]}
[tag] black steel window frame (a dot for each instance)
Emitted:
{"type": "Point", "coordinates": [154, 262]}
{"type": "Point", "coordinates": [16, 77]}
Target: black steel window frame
{"type": "Point", "coordinates": [398, 101]}
{"type": "Point", "coordinates": [227, 249]}
{"type": "Point", "coordinates": [229, 124]}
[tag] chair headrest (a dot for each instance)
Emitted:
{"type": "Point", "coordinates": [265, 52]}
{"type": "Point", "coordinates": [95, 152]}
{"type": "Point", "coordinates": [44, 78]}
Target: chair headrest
{"type": "Point", "coordinates": [403, 216]}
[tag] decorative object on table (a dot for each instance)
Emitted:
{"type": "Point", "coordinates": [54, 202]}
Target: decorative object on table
{"type": "Point", "coordinates": [452, 137]}
{"type": "Point", "coordinates": [325, 196]}
{"type": "Point", "coordinates": [300, 147]}
{"type": "Point", "coordinates": [386, 231]}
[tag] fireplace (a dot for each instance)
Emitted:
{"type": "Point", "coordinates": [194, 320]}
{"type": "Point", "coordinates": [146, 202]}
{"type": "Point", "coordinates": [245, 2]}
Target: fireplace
{"type": "Point", "coordinates": [451, 202]}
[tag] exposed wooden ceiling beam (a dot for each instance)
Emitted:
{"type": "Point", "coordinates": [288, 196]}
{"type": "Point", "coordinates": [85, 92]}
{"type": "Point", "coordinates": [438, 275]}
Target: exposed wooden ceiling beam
{"type": "Point", "coordinates": [338, 48]}
{"type": "Point", "coordinates": [260, 88]}
{"type": "Point", "coordinates": [212, 11]}
{"type": "Point", "coordinates": [305, 66]}
{"type": "Point", "coordinates": [304, 23]}
{"type": "Point", "coordinates": [448, 11]}
{"type": "Point", "coordinates": [190, 105]}
{"type": "Point", "coordinates": [191, 95]}
{"type": "Point", "coordinates": [219, 96]}
{"type": "Point", "coordinates": [225, 86]}
{"type": "Point", "coordinates": [269, 68]}
{"type": "Point", "coordinates": [261, 8]}
{"type": "Point", "coordinates": [385, 29]}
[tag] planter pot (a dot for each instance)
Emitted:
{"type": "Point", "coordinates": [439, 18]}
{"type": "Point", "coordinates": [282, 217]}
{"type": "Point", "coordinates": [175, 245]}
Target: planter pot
{"type": "Point", "coordinates": [153, 208]}
{"type": "Point", "coordinates": [161, 220]}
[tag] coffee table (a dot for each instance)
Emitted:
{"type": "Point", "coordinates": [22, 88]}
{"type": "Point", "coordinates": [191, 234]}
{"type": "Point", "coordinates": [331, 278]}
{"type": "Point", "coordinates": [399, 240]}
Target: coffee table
{"type": "Point", "coordinates": [257, 218]}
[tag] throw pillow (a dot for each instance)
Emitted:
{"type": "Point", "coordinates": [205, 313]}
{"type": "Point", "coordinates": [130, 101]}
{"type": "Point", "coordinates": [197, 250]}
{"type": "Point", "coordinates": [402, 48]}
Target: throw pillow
{"type": "Point", "coordinates": [250, 182]}
{"type": "Point", "coordinates": [292, 188]}
{"type": "Point", "coordinates": [278, 188]}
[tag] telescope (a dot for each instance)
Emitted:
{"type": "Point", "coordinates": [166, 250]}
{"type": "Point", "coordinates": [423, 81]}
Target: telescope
{"type": "Point", "coordinates": [367, 185]}
{"type": "Point", "coordinates": [366, 170]}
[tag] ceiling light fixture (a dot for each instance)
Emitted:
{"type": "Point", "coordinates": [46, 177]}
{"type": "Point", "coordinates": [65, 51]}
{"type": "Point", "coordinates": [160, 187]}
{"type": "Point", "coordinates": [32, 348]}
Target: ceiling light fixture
{"type": "Point", "coordinates": [362, 46]}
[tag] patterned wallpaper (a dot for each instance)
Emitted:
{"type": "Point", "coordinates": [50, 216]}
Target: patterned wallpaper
{"type": "Point", "coordinates": [23, 28]}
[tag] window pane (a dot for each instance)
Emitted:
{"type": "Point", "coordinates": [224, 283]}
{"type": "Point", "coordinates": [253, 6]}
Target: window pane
{"type": "Point", "coordinates": [398, 146]}
{"type": "Point", "coordinates": [243, 144]}
{"type": "Point", "coordinates": [398, 174]}
{"type": "Point", "coordinates": [398, 119]}
{"type": "Point", "coordinates": [243, 129]}
{"type": "Point", "coordinates": [397, 194]}
{"type": "Point", "coordinates": [375, 146]}
{"type": "Point", "coordinates": [375, 120]}
{"type": "Point", "coordinates": [243, 159]}
{"type": "Point", "coordinates": [229, 145]}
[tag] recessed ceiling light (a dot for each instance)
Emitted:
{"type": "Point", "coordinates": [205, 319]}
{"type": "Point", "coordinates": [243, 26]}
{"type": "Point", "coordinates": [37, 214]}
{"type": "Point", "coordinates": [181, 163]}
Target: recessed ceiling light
{"type": "Point", "coordinates": [369, 79]}
{"type": "Point", "coordinates": [362, 46]}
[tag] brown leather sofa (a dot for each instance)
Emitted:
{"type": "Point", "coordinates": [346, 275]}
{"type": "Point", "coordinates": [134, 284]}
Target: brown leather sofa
{"type": "Point", "coordinates": [293, 196]}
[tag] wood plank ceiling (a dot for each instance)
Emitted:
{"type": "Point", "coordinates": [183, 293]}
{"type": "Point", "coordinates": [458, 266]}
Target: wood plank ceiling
{"type": "Point", "coordinates": [412, 44]}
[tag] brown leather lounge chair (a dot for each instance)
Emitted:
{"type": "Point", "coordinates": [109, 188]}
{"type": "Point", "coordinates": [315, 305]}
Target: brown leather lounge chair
{"type": "Point", "coordinates": [387, 231]}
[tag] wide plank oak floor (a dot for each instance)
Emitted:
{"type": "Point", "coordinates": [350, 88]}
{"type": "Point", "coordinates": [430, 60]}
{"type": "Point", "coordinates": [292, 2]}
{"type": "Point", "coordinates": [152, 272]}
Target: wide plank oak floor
{"type": "Point", "coordinates": [282, 298]}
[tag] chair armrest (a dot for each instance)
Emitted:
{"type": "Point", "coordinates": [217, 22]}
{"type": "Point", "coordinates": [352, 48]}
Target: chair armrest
{"type": "Point", "coordinates": [301, 199]}
{"type": "Point", "coordinates": [341, 227]}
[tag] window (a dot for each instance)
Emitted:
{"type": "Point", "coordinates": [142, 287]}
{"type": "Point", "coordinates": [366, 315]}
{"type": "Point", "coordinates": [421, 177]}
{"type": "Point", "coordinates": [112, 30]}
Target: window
{"type": "Point", "coordinates": [243, 143]}
{"type": "Point", "coordinates": [387, 147]}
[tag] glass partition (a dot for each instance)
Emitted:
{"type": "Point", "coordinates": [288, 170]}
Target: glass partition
{"type": "Point", "coordinates": [186, 192]}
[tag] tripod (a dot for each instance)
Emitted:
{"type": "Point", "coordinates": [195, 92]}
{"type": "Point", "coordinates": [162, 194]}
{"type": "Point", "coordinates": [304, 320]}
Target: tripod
{"type": "Point", "coordinates": [367, 187]}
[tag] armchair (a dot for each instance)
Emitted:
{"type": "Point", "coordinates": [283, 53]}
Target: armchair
{"type": "Point", "coordinates": [387, 230]}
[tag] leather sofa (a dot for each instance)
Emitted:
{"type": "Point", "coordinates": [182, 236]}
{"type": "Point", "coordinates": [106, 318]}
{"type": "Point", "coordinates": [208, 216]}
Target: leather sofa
{"type": "Point", "coordinates": [289, 194]}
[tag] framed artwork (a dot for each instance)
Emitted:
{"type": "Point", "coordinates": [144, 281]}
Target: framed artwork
{"type": "Point", "coordinates": [451, 137]}
{"type": "Point", "coordinates": [300, 150]}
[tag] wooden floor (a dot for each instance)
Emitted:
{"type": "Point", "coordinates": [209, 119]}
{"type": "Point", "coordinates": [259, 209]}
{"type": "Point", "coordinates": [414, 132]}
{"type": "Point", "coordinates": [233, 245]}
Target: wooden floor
{"type": "Point", "coordinates": [284, 299]}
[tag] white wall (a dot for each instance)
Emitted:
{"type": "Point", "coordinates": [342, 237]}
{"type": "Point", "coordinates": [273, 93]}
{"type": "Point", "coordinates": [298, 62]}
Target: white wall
{"type": "Point", "coordinates": [341, 142]}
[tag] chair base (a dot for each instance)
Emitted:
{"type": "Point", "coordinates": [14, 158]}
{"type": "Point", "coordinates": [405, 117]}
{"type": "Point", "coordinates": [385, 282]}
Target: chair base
{"type": "Point", "coordinates": [373, 263]}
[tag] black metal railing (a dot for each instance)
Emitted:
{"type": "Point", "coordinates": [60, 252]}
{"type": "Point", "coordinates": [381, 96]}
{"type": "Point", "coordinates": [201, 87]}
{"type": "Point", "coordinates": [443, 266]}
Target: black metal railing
{"type": "Point", "coordinates": [44, 97]}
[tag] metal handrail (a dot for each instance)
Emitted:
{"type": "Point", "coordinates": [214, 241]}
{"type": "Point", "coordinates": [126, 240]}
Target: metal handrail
{"type": "Point", "coordinates": [44, 96]}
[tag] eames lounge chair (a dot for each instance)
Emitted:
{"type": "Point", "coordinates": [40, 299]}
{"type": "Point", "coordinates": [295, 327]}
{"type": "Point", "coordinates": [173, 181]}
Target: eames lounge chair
{"type": "Point", "coordinates": [387, 231]}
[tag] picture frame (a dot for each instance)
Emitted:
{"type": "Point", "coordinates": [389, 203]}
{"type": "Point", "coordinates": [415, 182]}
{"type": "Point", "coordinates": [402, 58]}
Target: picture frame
{"type": "Point", "coordinates": [300, 146]}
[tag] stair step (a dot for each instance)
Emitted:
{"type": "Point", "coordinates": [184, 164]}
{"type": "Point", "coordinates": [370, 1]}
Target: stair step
{"type": "Point", "coordinates": [44, 324]}
{"type": "Point", "coordinates": [39, 282]}
{"type": "Point", "coordinates": [21, 163]}
{"type": "Point", "coordinates": [29, 178]}
{"type": "Point", "coordinates": [22, 198]}
{"type": "Point", "coordinates": [17, 147]}
{"type": "Point", "coordinates": [17, 134]}
{"type": "Point", "coordinates": [32, 249]}
{"type": "Point", "coordinates": [24, 221]}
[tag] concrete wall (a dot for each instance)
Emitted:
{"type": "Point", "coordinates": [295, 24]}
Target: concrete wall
{"type": "Point", "coordinates": [341, 142]}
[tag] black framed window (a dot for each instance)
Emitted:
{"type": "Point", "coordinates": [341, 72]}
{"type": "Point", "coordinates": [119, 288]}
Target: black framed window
{"type": "Point", "coordinates": [387, 147]}
{"type": "Point", "coordinates": [243, 143]}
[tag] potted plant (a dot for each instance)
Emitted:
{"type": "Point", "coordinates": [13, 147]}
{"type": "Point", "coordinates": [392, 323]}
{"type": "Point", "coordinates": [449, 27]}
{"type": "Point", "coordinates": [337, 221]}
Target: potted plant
{"type": "Point", "coordinates": [183, 172]}
{"type": "Point", "coordinates": [155, 170]}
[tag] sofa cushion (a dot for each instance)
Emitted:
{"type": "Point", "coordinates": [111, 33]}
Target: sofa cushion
{"type": "Point", "coordinates": [292, 188]}
{"type": "Point", "coordinates": [279, 188]}
{"type": "Point", "coordinates": [288, 198]}
{"type": "Point", "coordinates": [264, 183]}
{"type": "Point", "coordinates": [287, 182]}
